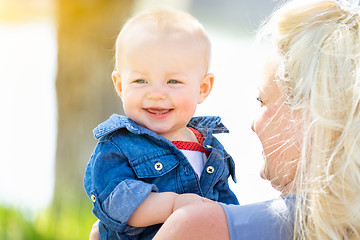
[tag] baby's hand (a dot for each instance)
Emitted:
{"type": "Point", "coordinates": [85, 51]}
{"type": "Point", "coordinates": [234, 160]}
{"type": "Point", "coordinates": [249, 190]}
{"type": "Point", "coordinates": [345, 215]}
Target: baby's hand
{"type": "Point", "coordinates": [94, 234]}
{"type": "Point", "coordinates": [188, 199]}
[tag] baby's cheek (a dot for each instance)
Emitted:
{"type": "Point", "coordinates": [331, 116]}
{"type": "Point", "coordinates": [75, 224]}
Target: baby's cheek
{"type": "Point", "coordinates": [188, 105]}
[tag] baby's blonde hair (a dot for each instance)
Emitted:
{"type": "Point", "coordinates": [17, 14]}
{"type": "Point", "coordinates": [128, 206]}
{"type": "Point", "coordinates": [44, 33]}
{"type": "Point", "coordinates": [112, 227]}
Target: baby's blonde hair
{"type": "Point", "coordinates": [319, 44]}
{"type": "Point", "coordinates": [164, 20]}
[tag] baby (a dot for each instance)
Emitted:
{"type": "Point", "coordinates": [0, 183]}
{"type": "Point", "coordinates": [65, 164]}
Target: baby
{"type": "Point", "coordinates": [142, 161]}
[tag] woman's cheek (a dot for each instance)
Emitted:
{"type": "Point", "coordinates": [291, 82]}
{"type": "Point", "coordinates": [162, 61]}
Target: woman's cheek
{"type": "Point", "coordinates": [266, 125]}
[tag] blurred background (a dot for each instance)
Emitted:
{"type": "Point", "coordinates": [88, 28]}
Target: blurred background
{"type": "Point", "coordinates": [56, 59]}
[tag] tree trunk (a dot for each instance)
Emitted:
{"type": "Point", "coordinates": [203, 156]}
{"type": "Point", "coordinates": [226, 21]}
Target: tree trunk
{"type": "Point", "coordinates": [87, 30]}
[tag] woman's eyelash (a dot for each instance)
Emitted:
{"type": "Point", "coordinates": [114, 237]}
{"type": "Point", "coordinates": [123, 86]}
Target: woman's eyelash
{"type": "Point", "coordinates": [259, 99]}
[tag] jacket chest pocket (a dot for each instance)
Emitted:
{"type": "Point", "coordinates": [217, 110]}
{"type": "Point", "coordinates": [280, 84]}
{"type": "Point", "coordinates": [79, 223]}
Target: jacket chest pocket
{"type": "Point", "coordinates": [154, 164]}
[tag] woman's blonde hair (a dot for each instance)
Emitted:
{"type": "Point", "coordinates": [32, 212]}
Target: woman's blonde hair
{"type": "Point", "coordinates": [319, 45]}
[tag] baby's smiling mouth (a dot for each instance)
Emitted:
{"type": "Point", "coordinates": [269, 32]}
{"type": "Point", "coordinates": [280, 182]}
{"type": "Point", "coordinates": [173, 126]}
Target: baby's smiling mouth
{"type": "Point", "coordinates": [158, 111]}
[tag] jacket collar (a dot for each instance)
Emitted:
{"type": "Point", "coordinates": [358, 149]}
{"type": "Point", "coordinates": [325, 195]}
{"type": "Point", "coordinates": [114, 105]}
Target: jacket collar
{"type": "Point", "coordinates": [115, 122]}
{"type": "Point", "coordinates": [212, 123]}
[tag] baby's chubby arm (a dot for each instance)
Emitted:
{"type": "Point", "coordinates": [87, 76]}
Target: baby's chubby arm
{"type": "Point", "coordinates": [157, 207]}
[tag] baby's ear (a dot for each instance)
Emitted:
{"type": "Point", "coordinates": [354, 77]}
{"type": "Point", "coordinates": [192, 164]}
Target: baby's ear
{"type": "Point", "coordinates": [206, 86]}
{"type": "Point", "coordinates": [117, 82]}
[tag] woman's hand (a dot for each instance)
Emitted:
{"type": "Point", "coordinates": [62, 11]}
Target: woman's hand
{"type": "Point", "coordinates": [198, 220]}
{"type": "Point", "coordinates": [186, 199]}
{"type": "Point", "coordinates": [94, 234]}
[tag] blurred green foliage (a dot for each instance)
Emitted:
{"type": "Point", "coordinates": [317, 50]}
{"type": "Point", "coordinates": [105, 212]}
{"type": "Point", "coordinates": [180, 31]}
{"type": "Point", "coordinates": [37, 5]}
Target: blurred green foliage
{"type": "Point", "coordinates": [69, 222]}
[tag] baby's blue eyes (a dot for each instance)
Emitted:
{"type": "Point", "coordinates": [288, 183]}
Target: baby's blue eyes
{"type": "Point", "coordinates": [173, 81]}
{"type": "Point", "coordinates": [140, 81]}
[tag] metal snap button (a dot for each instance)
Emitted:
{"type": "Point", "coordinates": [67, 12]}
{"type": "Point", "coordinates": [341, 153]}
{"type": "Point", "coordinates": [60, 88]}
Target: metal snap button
{"type": "Point", "coordinates": [208, 146]}
{"type": "Point", "coordinates": [210, 169]}
{"type": "Point", "coordinates": [93, 198]}
{"type": "Point", "coordinates": [158, 166]}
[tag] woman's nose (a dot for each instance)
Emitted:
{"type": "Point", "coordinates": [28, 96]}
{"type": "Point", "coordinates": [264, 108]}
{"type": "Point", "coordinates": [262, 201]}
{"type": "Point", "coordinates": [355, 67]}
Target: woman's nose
{"type": "Point", "coordinates": [253, 125]}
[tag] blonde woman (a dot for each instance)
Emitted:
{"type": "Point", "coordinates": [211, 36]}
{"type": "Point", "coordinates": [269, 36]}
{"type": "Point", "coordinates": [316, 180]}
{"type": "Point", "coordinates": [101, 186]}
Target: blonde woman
{"type": "Point", "coordinates": [309, 126]}
{"type": "Point", "coordinates": [319, 43]}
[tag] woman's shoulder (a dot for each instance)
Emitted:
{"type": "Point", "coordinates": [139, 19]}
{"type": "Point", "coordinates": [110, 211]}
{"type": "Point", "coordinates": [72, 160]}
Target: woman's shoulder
{"type": "Point", "coordinates": [273, 219]}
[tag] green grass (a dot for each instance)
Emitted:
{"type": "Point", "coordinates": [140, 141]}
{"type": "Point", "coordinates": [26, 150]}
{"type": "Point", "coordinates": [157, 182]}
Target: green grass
{"type": "Point", "coordinates": [65, 222]}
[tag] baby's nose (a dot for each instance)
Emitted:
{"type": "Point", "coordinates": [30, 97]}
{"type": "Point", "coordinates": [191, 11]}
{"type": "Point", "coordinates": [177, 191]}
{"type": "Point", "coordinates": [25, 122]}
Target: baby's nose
{"type": "Point", "coordinates": [157, 93]}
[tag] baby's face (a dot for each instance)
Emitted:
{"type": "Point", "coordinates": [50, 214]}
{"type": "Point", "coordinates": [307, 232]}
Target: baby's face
{"type": "Point", "coordinates": [160, 80]}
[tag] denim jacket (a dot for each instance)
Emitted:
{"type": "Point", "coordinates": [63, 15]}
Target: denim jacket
{"type": "Point", "coordinates": [131, 161]}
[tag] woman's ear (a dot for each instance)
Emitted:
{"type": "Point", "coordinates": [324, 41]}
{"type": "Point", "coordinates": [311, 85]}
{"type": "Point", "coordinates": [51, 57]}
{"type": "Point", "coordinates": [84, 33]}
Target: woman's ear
{"type": "Point", "coordinates": [117, 82]}
{"type": "Point", "coordinates": [206, 86]}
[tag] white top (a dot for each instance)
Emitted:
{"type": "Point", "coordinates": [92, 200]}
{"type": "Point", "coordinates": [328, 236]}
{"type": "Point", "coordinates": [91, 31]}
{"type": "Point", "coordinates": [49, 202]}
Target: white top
{"type": "Point", "coordinates": [196, 159]}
